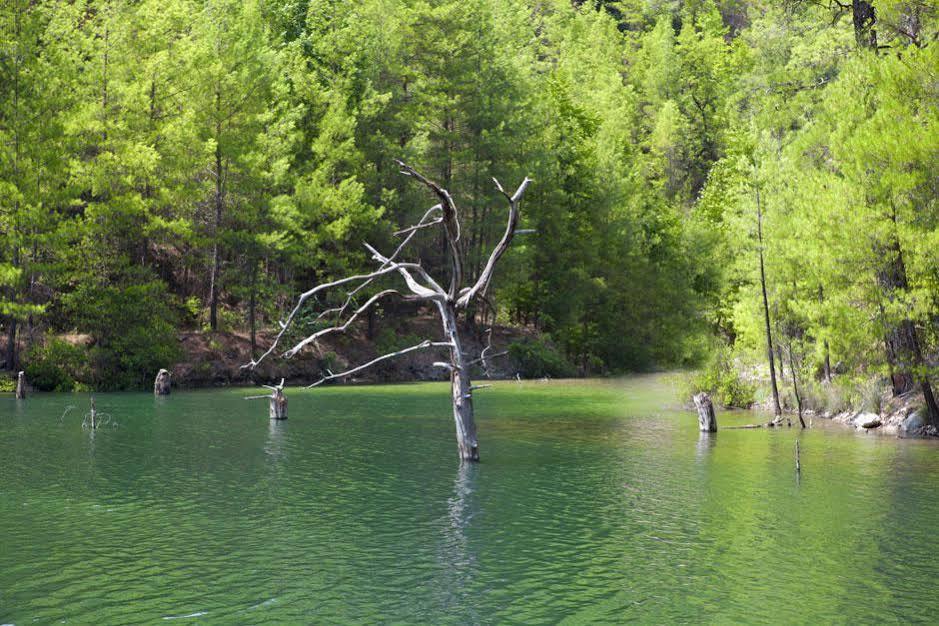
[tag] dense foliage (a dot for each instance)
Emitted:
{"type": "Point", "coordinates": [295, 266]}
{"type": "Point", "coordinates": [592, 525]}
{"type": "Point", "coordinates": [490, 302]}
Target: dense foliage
{"type": "Point", "coordinates": [194, 163]}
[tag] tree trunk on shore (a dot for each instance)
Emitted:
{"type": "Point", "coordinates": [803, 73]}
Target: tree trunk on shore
{"type": "Point", "coordinates": [777, 410]}
{"type": "Point", "coordinates": [904, 351]}
{"type": "Point", "coordinates": [795, 384]}
{"type": "Point", "coordinates": [707, 421]}
{"type": "Point", "coordinates": [11, 344]}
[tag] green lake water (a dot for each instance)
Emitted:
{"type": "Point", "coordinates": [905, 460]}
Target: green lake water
{"type": "Point", "coordinates": [595, 502]}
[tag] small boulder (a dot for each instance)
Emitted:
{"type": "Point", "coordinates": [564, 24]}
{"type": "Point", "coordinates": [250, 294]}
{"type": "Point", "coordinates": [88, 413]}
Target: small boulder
{"type": "Point", "coordinates": [913, 424]}
{"type": "Point", "coordinates": [867, 420]}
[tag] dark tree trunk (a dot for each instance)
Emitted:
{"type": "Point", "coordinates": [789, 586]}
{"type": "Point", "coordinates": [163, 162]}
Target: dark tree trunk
{"type": "Point", "coordinates": [864, 17]}
{"type": "Point", "coordinates": [826, 365]}
{"type": "Point", "coordinates": [795, 384]}
{"type": "Point", "coordinates": [219, 200]}
{"type": "Point", "coordinates": [904, 352]}
{"type": "Point", "coordinates": [252, 305]}
{"type": "Point", "coordinates": [11, 344]}
{"type": "Point", "coordinates": [777, 410]}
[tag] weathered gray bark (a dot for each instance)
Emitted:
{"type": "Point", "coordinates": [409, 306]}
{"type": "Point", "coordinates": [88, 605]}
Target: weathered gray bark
{"type": "Point", "coordinates": [278, 405]}
{"type": "Point", "coordinates": [21, 386]}
{"type": "Point", "coordinates": [707, 421]}
{"type": "Point", "coordinates": [276, 401]}
{"type": "Point", "coordinates": [161, 384]}
{"type": "Point", "coordinates": [461, 388]}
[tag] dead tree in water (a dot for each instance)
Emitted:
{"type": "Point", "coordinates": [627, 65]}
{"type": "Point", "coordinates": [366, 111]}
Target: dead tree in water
{"type": "Point", "coordinates": [422, 287]}
{"type": "Point", "coordinates": [21, 386]}
{"type": "Point", "coordinates": [277, 401]}
{"type": "Point", "coordinates": [707, 422]}
{"type": "Point", "coordinates": [161, 384]}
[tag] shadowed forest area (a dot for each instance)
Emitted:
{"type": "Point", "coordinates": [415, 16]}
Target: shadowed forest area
{"type": "Point", "coordinates": [743, 186]}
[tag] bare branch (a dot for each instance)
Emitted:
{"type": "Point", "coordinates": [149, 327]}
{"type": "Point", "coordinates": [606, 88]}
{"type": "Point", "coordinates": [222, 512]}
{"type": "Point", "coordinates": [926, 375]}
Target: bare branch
{"type": "Point", "coordinates": [482, 283]}
{"type": "Point", "coordinates": [421, 346]}
{"type": "Point", "coordinates": [434, 292]}
{"type": "Point", "coordinates": [340, 311]}
{"type": "Point", "coordinates": [284, 325]}
{"type": "Point", "coordinates": [339, 329]}
{"type": "Point", "coordinates": [451, 224]}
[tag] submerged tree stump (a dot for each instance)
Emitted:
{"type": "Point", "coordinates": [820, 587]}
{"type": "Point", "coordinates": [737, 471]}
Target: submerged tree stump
{"type": "Point", "coordinates": [161, 385]}
{"type": "Point", "coordinates": [707, 421]}
{"type": "Point", "coordinates": [278, 405]}
{"type": "Point", "coordinates": [21, 386]}
{"type": "Point", "coordinates": [277, 401]}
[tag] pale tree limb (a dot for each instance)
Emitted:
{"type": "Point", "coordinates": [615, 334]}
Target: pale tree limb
{"type": "Point", "coordinates": [274, 389]}
{"type": "Point", "coordinates": [482, 283]}
{"type": "Point", "coordinates": [451, 224]}
{"type": "Point", "coordinates": [339, 329]}
{"type": "Point", "coordinates": [434, 292]}
{"type": "Point", "coordinates": [340, 310]}
{"type": "Point", "coordinates": [306, 296]}
{"type": "Point", "coordinates": [427, 343]}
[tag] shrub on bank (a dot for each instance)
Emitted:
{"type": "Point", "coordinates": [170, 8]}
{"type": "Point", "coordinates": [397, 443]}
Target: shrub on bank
{"type": "Point", "coordinates": [721, 378]}
{"type": "Point", "coordinates": [537, 358]}
{"type": "Point", "coordinates": [55, 365]}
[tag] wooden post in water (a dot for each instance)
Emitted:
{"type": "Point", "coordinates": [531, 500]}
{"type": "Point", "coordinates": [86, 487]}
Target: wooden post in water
{"type": "Point", "coordinates": [93, 414]}
{"type": "Point", "coordinates": [278, 404]}
{"type": "Point", "coordinates": [21, 386]}
{"type": "Point", "coordinates": [707, 421]}
{"type": "Point", "coordinates": [277, 401]}
{"type": "Point", "coordinates": [161, 384]}
{"type": "Point", "coordinates": [798, 460]}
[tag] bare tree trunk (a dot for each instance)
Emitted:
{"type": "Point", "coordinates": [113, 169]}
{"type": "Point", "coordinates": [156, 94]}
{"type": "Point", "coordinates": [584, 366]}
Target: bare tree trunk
{"type": "Point", "coordinates": [826, 364]}
{"type": "Point", "coordinates": [219, 190]}
{"type": "Point", "coordinates": [864, 17]}
{"type": "Point", "coordinates": [460, 387]}
{"type": "Point", "coordinates": [252, 305]}
{"type": "Point", "coordinates": [777, 410]}
{"type": "Point", "coordinates": [278, 405]}
{"type": "Point", "coordinates": [707, 421]}
{"type": "Point", "coordinates": [795, 384]}
{"type": "Point", "coordinates": [21, 386]}
{"type": "Point", "coordinates": [904, 351]}
{"type": "Point", "coordinates": [11, 344]}
{"type": "Point", "coordinates": [161, 384]}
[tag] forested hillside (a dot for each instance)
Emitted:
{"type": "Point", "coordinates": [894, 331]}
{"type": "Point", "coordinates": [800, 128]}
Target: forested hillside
{"type": "Point", "coordinates": [179, 164]}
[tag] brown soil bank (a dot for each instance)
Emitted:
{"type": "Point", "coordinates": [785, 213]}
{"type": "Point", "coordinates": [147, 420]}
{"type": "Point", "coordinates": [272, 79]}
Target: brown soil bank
{"type": "Point", "coordinates": [214, 359]}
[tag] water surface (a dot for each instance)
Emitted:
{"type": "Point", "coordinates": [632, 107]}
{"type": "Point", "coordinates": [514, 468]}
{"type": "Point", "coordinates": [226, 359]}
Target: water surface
{"type": "Point", "coordinates": [595, 502]}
